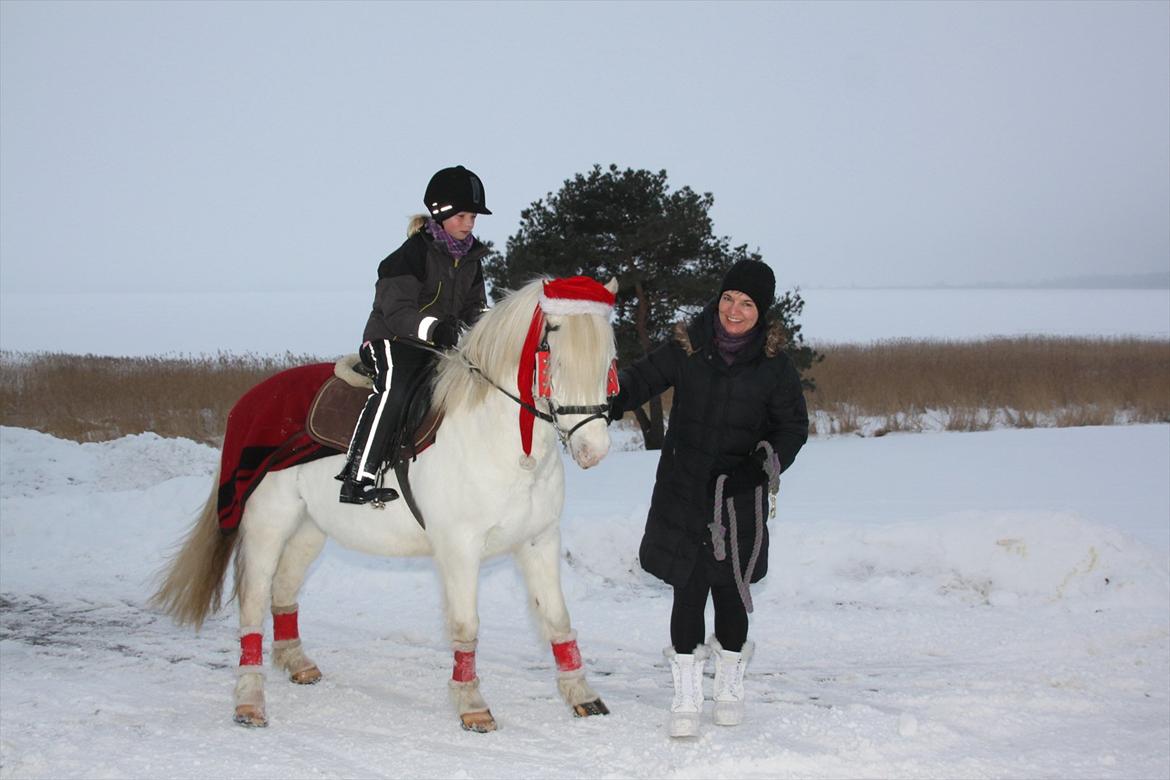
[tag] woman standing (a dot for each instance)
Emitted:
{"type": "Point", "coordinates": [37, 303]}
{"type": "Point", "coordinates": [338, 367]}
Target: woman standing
{"type": "Point", "coordinates": [738, 413]}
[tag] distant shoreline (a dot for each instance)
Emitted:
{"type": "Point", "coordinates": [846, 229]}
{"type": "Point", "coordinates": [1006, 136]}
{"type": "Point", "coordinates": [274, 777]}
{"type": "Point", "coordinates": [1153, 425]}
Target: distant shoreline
{"type": "Point", "coordinates": [1150, 281]}
{"type": "Point", "coordinates": [328, 323]}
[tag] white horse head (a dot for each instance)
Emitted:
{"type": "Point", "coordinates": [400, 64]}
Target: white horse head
{"type": "Point", "coordinates": [581, 352]}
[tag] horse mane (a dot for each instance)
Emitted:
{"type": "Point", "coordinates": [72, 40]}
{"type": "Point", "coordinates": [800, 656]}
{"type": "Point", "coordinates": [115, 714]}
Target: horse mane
{"type": "Point", "coordinates": [494, 343]}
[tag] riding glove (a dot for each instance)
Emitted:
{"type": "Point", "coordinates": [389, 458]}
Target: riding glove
{"type": "Point", "coordinates": [445, 333]}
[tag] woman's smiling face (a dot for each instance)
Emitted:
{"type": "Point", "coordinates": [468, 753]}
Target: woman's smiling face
{"type": "Point", "coordinates": [737, 312]}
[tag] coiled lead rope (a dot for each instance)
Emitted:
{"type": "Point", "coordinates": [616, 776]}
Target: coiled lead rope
{"type": "Point", "coordinates": [743, 577]}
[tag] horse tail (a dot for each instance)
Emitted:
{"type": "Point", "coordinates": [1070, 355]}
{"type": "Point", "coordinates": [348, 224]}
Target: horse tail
{"type": "Point", "coordinates": [192, 580]}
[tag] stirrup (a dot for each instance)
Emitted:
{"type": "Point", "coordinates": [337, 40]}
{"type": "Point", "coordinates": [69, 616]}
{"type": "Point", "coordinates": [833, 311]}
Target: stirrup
{"type": "Point", "coordinates": [365, 493]}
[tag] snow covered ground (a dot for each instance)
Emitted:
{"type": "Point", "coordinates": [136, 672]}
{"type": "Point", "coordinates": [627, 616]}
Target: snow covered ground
{"type": "Point", "coordinates": [939, 605]}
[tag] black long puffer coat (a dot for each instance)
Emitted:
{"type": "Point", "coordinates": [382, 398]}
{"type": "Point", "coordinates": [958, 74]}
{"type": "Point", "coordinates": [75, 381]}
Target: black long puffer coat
{"type": "Point", "coordinates": [718, 415]}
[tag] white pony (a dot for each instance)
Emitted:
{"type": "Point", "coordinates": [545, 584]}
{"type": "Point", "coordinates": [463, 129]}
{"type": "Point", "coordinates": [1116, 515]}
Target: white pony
{"type": "Point", "coordinates": [492, 483]}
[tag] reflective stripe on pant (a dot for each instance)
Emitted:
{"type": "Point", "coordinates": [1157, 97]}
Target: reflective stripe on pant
{"type": "Point", "coordinates": [395, 367]}
{"type": "Point", "coordinates": [368, 436]}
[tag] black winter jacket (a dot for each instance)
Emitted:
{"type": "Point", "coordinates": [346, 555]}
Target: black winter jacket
{"type": "Point", "coordinates": [718, 415]}
{"type": "Point", "coordinates": [419, 284]}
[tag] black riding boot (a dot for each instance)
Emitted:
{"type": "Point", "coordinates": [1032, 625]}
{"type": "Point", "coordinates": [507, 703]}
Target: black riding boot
{"type": "Point", "coordinates": [364, 459]}
{"type": "Point", "coordinates": [354, 492]}
{"type": "Point", "coordinates": [396, 367]}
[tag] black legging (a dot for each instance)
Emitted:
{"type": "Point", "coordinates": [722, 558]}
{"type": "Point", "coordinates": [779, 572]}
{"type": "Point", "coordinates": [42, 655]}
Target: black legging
{"type": "Point", "coordinates": [687, 625]}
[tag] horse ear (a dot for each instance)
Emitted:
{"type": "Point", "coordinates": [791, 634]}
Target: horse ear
{"type": "Point", "coordinates": [612, 285]}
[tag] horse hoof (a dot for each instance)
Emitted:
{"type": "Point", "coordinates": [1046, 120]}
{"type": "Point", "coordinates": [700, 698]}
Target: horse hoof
{"type": "Point", "coordinates": [306, 676]}
{"type": "Point", "coordinates": [595, 707]}
{"type": "Point", "coordinates": [251, 716]}
{"type": "Point", "coordinates": [481, 722]}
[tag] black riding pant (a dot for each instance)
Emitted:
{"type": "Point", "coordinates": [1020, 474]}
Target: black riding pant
{"type": "Point", "coordinates": [395, 366]}
{"type": "Point", "coordinates": [687, 619]}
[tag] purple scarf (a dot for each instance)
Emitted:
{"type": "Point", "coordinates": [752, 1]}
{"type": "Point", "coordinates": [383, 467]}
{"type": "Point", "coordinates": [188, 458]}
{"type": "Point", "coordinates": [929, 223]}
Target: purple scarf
{"type": "Point", "coordinates": [455, 247]}
{"type": "Point", "coordinates": [729, 345]}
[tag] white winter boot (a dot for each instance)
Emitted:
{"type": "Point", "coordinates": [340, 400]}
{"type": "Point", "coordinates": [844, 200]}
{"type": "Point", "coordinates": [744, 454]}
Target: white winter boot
{"type": "Point", "coordinates": [687, 671]}
{"type": "Point", "coordinates": [729, 669]}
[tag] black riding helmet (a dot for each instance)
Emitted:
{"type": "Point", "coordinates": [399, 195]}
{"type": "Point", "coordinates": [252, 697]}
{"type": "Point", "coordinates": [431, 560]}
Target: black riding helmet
{"type": "Point", "coordinates": [453, 190]}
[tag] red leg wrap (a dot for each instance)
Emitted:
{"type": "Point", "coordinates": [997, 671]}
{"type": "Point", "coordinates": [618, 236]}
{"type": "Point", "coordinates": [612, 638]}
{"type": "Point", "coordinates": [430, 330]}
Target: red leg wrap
{"type": "Point", "coordinates": [251, 650]}
{"type": "Point", "coordinates": [464, 667]}
{"type": "Point", "coordinates": [284, 627]}
{"type": "Point", "coordinates": [567, 656]}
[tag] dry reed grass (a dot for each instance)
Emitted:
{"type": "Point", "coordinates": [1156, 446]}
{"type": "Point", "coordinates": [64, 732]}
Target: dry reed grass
{"type": "Point", "coordinates": [95, 398]}
{"type": "Point", "coordinates": [876, 388]}
{"type": "Point", "coordinates": [976, 385]}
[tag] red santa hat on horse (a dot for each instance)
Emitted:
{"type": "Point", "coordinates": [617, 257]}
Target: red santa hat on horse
{"type": "Point", "coordinates": [560, 297]}
{"type": "Point", "coordinates": [576, 295]}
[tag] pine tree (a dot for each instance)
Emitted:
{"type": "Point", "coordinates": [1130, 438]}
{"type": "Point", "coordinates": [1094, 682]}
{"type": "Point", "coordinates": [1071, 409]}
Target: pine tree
{"type": "Point", "coordinates": [658, 244]}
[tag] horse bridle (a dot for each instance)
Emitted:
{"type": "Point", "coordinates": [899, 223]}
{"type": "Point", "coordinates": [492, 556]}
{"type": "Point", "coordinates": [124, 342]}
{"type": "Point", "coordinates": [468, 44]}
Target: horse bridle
{"type": "Point", "coordinates": [544, 390]}
{"type": "Point", "coordinates": [595, 411]}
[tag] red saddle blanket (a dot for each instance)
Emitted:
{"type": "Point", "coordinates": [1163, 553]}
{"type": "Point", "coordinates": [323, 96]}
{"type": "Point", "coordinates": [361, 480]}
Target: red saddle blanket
{"type": "Point", "coordinates": [294, 417]}
{"type": "Point", "coordinates": [266, 432]}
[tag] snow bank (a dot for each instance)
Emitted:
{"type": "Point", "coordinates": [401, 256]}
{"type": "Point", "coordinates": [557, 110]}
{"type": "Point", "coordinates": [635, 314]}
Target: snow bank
{"type": "Point", "coordinates": [909, 627]}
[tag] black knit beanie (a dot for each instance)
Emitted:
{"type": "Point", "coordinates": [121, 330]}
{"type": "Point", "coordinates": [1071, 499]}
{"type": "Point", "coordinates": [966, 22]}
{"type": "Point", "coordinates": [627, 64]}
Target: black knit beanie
{"type": "Point", "coordinates": [756, 280]}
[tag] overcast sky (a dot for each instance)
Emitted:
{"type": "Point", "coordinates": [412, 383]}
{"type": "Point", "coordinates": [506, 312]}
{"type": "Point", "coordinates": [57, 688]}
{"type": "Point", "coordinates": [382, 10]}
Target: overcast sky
{"type": "Point", "coordinates": [268, 146]}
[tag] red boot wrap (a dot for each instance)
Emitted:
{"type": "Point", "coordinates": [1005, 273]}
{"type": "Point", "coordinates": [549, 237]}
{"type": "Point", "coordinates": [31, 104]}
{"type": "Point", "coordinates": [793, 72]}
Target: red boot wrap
{"type": "Point", "coordinates": [252, 650]}
{"type": "Point", "coordinates": [464, 666]}
{"type": "Point", "coordinates": [284, 626]}
{"type": "Point", "coordinates": [567, 656]}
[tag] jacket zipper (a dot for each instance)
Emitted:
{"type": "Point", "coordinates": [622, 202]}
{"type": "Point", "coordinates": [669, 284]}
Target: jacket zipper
{"type": "Point", "coordinates": [432, 301]}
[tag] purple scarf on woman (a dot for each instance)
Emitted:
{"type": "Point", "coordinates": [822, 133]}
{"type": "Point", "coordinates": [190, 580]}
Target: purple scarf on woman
{"type": "Point", "coordinates": [456, 247]}
{"type": "Point", "coordinates": [729, 345]}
